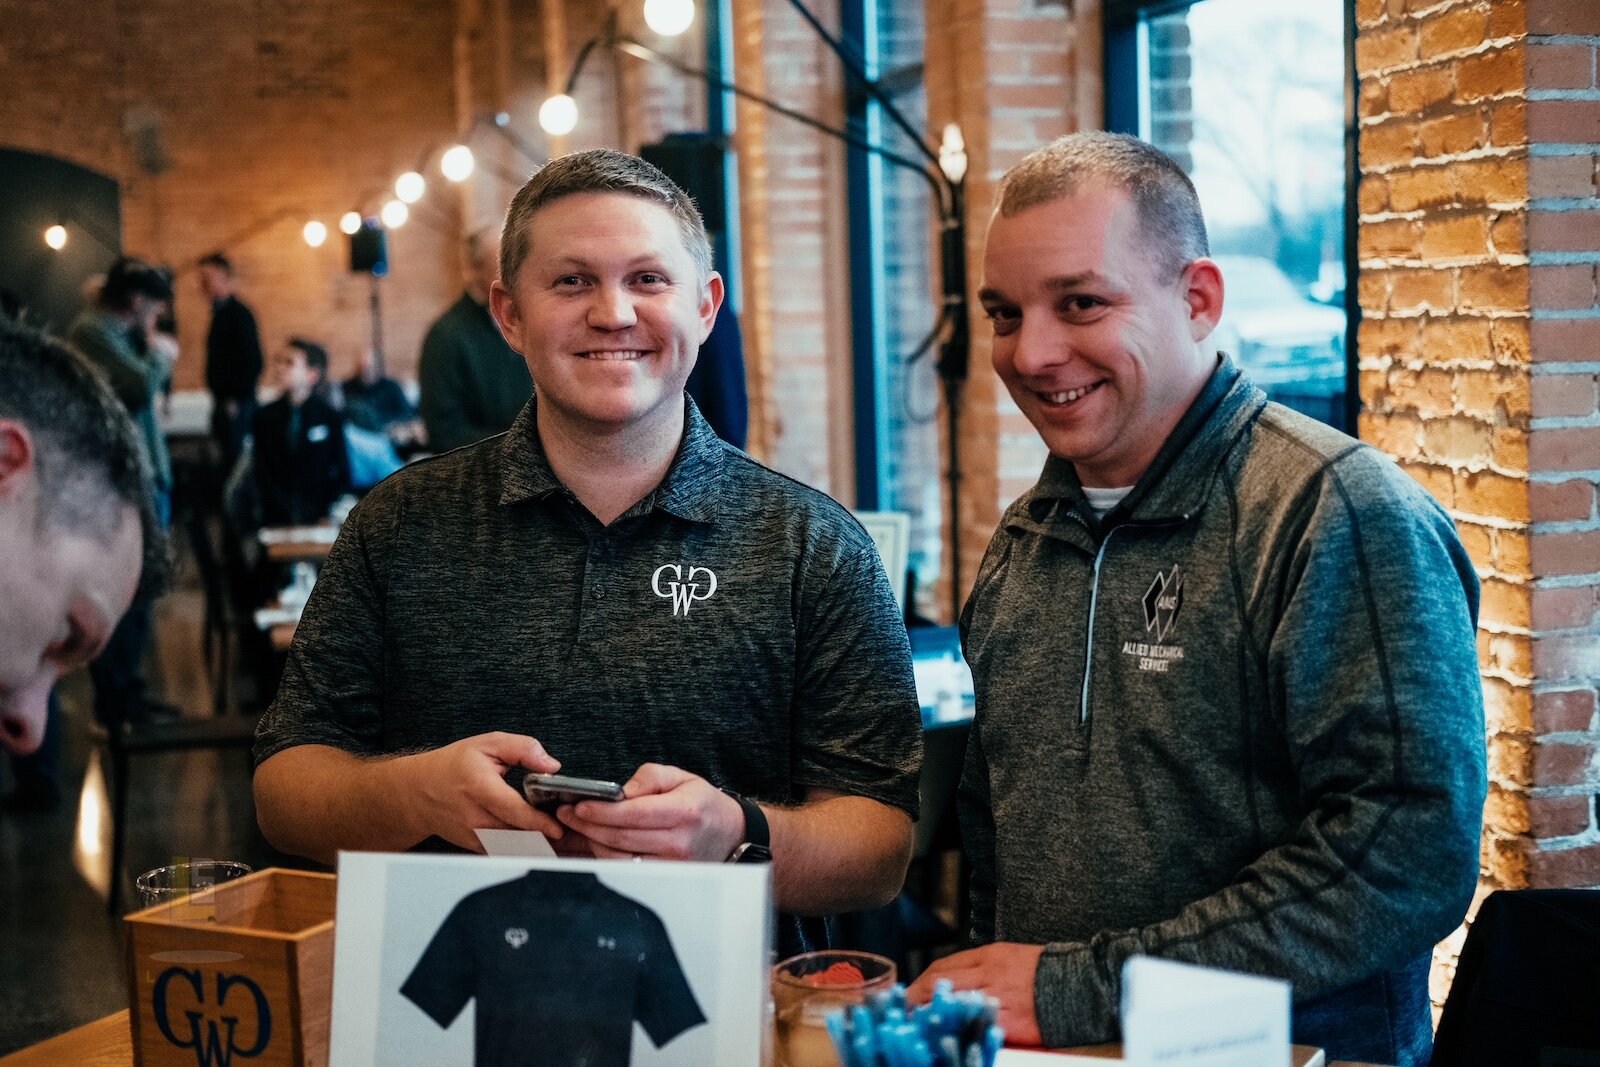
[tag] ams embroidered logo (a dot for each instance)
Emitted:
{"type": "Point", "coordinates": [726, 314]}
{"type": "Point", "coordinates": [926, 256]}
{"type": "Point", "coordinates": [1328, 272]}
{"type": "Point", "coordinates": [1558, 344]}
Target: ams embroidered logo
{"type": "Point", "coordinates": [1162, 602]}
{"type": "Point", "coordinates": [516, 937]}
{"type": "Point", "coordinates": [670, 583]}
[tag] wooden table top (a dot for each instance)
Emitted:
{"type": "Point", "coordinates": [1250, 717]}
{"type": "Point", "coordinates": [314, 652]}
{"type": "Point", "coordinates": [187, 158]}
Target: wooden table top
{"type": "Point", "coordinates": [105, 1042]}
{"type": "Point", "coordinates": [289, 544]}
{"type": "Point", "coordinates": [295, 551]}
{"type": "Point", "coordinates": [108, 1042]}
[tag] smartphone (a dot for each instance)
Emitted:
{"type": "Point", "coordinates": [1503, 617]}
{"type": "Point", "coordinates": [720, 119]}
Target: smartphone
{"type": "Point", "coordinates": [551, 790]}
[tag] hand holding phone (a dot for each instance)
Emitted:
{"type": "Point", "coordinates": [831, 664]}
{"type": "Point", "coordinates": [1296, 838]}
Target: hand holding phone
{"type": "Point", "coordinates": [549, 791]}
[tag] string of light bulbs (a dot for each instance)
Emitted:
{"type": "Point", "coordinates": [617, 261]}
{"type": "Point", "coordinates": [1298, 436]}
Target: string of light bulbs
{"type": "Point", "coordinates": [557, 116]}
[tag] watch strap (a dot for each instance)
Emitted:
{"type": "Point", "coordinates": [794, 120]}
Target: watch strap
{"type": "Point", "coordinates": [756, 831]}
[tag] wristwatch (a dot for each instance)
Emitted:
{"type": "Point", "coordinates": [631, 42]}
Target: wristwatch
{"type": "Point", "coordinates": [757, 844]}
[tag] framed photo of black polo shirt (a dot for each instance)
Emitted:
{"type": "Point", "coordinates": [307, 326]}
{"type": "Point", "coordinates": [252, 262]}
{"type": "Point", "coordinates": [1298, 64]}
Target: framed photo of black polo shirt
{"type": "Point", "coordinates": [476, 961]}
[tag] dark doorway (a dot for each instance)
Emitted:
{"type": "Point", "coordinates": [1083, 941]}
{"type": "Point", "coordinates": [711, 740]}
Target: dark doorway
{"type": "Point", "coordinates": [37, 192]}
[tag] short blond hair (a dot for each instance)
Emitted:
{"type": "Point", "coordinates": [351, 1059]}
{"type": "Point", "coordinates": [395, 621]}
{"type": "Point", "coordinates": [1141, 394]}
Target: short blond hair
{"type": "Point", "coordinates": [601, 170]}
{"type": "Point", "coordinates": [1162, 194]}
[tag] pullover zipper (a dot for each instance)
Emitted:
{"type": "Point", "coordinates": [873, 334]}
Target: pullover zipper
{"type": "Point", "coordinates": [1088, 648]}
{"type": "Point", "coordinates": [1094, 600]}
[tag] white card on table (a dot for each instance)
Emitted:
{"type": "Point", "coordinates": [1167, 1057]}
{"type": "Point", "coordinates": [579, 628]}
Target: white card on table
{"type": "Point", "coordinates": [1179, 1015]}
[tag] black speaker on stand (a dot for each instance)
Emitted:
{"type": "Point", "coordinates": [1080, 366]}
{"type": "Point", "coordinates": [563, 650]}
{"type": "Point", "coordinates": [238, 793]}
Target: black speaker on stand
{"type": "Point", "coordinates": [369, 249]}
{"type": "Point", "coordinates": [369, 254]}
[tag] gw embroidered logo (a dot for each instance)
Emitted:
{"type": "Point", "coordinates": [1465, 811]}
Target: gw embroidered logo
{"type": "Point", "coordinates": [700, 584]}
{"type": "Point", "coordinates": [516, 937]}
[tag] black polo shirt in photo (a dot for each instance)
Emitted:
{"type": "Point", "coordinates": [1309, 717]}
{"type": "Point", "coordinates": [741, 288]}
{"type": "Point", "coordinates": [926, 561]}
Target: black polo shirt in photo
{"type": "Point", "coordinates": [560, 967]}
{"type": "Point", "coordinates": [734, 623]}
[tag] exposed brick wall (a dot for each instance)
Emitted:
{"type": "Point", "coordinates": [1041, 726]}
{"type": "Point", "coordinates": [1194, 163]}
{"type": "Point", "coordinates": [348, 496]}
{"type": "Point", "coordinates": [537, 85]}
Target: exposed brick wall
{"type": "Point", "coordinates": [804, 186]}
{"type": "Point", "coordinates": [269, 112]}
{"type": "Point", "coordinates": [1564, 440]}
{"type": "Point", "coordinates": [1479, 238]}
{"type": "Point", "coordinates": [1445, 319]}
{"type": "Point", "coordinates": [1005, 70]}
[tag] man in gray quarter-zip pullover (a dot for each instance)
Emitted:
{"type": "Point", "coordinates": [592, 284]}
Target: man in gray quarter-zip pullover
{"type": "Point", "coordinates": [1228, 701]}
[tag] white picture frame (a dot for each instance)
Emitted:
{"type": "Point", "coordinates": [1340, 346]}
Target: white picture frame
{"type": "Point", "coordinates": [891, 533]}
{"type": "Point", "coordinates": [395, 909]}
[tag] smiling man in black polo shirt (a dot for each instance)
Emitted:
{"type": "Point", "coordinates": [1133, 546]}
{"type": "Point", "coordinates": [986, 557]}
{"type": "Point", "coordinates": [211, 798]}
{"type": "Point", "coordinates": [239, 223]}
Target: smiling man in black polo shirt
{"type": "Point", "coordinates": [606, 588]}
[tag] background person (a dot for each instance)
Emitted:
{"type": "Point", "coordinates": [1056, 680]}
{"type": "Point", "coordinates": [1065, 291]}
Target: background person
{"type": "Point", "coordinates": [116, 335]}
{"type": "Point", "coordinates": [233, 358]}
{"type": "Point", "coordinates": [376, 402]}
{"type": "Point", "coordinates": [299, 454]}
{"type": "Point", "coordinates": [1225, 656]}
{"type": "Point", "coordinates": [472, 383]}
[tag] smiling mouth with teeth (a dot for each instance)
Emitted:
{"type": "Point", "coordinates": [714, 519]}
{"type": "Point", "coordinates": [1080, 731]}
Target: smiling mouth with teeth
{"type": "Point", "coordinates": [1069, 396]}
{"type": "Point", "coordinates": [614, 356]}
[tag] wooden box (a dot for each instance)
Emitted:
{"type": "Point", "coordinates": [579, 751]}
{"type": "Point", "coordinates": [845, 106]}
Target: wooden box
{"type": "Point", "coordinates": [240, 973]}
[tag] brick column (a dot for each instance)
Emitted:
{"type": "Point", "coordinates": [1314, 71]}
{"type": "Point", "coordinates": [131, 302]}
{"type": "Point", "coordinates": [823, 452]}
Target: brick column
{"type": "Point", "coordinates": [1004, 70]}
{"type": "Point", "coordinates": [1479, 237]}
{"type": "Point", "coordinates": [1564, 439]}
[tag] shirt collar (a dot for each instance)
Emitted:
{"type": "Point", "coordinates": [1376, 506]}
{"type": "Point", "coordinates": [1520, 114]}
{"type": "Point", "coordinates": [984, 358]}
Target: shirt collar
{"type": "Point", "coordinates": [1179, 477]}
{"type": "Point", "coordinates": [689, 490]}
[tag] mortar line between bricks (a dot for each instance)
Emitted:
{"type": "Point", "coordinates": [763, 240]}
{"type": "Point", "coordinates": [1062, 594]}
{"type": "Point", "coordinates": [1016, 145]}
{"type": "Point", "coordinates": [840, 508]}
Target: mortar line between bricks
{"type": "Point", "coordinates": [1563, 581]}
{"type": "Point", "coordinates": [1557, 477]}
{"type": "Point", "coordinates": [1563, 259]}
{"type": "Point", "coordinates": [1567, 844]}
{"type": "Point", "coordinates": [1564, 94]}
{"type": "Point", "coordinates": [1565, 315]}
{"type": "Point", "coordinates": [1566, 368]}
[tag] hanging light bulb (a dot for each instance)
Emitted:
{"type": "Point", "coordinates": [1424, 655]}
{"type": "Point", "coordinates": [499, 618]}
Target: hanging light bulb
{"type": "Point", "coordinates": [410, 186]}
{"type": "Point", "coordinates": [953, 154]}
{"type": "Point", "coordinates": [56, 237]}
{"type": "Point", "coordinates": [558, 116]}
{"type": "Point", "coordinates": [669, 18]}
{"type": "Point", "coordinates": [350, 222]}
{"type": "Point", "coordinates": [394, 214]}
{"type": "Point", "coordinates": [315, 233]}
{"type": "Point", "coordinates": [456, 164]}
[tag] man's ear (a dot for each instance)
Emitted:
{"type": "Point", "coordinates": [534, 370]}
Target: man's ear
{"type": "Point", "coordinates": [710, 302]}
{"type": "Point", "coordinates": [1203, 291]}
{"type": "Point", "coordinates": [16, 456]}
{"type": "Point", "coordinates": [503, 306]}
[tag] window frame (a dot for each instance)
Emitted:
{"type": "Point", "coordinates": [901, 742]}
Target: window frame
{"type": "Point", "coordinates": [1123, 23]}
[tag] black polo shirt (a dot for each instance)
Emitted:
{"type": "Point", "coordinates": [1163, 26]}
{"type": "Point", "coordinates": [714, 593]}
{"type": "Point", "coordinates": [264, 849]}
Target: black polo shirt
{"type": "Point", "coordinates": [734, 623]}
{"type": "Point", "coordinates": [560, 967]}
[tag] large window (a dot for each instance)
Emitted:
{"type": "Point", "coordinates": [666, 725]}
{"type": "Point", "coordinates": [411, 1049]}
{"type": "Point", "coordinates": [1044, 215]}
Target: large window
{"type": "Point", "coordinates": [1250, 95]}
{"type": "Point", "coordinates": [893, 291]}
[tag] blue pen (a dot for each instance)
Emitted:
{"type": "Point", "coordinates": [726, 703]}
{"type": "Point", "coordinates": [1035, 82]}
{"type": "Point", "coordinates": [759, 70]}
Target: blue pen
{"type": "Point", "coordinates": [867, 1046]}
{"type": "Point", "coordinates": [888, 1050]}
{"type": "Point", "coordinates": [912, 1046]}
{"type": "Point", "coordinates": [993, 1042]}
{"type": "Point", "coordinates": [839, 1031]}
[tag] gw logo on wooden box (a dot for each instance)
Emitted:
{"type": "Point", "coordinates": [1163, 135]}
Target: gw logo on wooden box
{"type": "Point", "coordinates": [239, 975]}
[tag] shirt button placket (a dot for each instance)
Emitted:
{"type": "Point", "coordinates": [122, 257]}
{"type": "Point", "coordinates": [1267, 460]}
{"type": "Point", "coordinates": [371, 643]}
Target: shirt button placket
{"type": "Point", "coordinates": [594, 572]}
